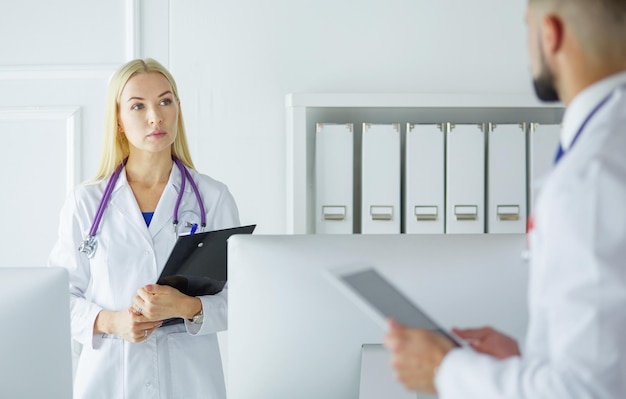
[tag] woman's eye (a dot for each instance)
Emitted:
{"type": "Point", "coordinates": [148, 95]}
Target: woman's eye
{"type": "Point", "coordinates": [166, 101]}
{"type": "Point", "coordinates": [137, 107]}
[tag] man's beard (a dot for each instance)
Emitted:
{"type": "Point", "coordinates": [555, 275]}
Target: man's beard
{"type": "Point", "coordinates": [544, 83]}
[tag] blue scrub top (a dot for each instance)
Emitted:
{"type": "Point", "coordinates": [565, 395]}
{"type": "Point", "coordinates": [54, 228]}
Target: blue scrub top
{"type": "Point", "coordinates": [147, 216]}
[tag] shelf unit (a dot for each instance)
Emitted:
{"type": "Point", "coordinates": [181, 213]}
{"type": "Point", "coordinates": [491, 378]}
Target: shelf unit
{"type": "Point", "coordinates": [304, 110]}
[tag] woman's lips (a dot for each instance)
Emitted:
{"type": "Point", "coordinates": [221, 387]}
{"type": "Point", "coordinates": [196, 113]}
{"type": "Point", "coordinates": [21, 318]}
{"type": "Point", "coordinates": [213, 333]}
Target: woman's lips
{"type": "Point", "coordinates": [157, 134]}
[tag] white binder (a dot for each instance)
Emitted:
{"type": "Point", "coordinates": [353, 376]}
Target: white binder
{"type": "Point", "coordinates": [506, 179]}
{"type": "Point", "coordinates": [380, 179]}
{"type": "Point", "coordinates": [334, 171]}
{"type": "Point", "coordinates": [544, 142]}
{"type": "Point", "coordinates": [424, 211]}
{"type": "Point", "coordinates": [465, 179]}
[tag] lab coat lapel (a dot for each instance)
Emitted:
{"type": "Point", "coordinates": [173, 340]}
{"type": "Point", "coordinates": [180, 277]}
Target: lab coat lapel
{"type": "Point", "coordinates": [124, 201]}
{"type": "Point", "coordinates": [164, 212]}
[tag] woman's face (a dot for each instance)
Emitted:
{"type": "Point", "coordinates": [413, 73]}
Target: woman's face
{"type": "Point", "coordinates": [148, 113]}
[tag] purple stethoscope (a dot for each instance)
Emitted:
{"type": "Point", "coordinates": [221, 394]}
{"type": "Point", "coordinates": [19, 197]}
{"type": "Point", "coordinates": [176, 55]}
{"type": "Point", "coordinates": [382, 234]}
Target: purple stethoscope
{"type": "Point", "coordinates": [89, 244]}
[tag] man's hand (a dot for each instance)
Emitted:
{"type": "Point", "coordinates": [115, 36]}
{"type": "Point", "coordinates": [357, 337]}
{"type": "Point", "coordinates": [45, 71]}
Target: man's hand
{"type": "Point", "coordinates": [489, 341]}
{"type": "Point", "coordinates": [416, 355]}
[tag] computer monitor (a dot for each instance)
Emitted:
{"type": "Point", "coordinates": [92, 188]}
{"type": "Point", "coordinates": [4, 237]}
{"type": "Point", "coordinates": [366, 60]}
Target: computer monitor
{"type": "Point", "coordinates": [35, 343]}
{"type": "Point", "coordinates": [293, 333]}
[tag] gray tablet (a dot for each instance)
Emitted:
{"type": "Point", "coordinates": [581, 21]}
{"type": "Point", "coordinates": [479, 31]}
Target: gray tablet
{"type": "Point", "coordinates": [383, 301]}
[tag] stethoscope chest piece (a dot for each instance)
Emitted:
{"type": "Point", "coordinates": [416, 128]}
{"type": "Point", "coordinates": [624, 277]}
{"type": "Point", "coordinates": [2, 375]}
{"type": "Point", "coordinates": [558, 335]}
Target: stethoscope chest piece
{"type": "Point", "coordinates": [88, 246]}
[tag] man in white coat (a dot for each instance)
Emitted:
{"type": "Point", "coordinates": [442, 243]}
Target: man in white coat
{"type": "Point", "coordinates": [576, 338]}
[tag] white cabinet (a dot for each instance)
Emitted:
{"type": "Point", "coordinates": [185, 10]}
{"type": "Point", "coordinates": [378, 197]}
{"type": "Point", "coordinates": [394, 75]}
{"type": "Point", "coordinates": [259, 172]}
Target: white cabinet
{"type": "Point", "coordinates": [305, 110]}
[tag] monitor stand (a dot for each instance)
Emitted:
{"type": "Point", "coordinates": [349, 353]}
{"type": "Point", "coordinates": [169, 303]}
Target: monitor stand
{"type": "Point", "coordinates": [377, 377]}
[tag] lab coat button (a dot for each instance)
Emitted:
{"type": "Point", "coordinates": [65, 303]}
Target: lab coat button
{"type": "Point", "coordinates": [148, 384]}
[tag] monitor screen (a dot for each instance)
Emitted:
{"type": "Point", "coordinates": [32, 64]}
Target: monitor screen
{"type": "Point", "coordinates": [35, 341]}
{"type": "Point", "coordinates": [293, 333]}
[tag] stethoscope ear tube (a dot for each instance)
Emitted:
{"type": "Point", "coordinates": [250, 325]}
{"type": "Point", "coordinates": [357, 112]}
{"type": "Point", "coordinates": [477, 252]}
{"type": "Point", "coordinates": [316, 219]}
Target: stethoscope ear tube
{"type": "Point", "coordinates": [90, 243]}
{"type": "Point", "coordinates": [197, 193]}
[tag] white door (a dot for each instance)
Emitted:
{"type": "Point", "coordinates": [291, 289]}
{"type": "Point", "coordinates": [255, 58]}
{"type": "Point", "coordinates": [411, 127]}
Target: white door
{"type": "Point", "coordinates": [56, 59]}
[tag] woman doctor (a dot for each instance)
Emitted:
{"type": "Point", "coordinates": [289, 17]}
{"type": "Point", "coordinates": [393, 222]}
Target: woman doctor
{"type": "Point", "coordinates": [126, 221]}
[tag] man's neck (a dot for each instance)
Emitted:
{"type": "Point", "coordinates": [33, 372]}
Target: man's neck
{"type": "Point", "coordinates": [581, 75]}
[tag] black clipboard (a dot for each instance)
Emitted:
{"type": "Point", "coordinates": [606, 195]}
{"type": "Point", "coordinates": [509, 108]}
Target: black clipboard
{"type": "Point", "coordinates": [197, 264]}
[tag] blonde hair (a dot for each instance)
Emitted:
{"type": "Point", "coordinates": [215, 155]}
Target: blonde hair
{"type": "Point", "coordinates": [114, 144]}
{"type": "Point", "coordinates": [599, 25]}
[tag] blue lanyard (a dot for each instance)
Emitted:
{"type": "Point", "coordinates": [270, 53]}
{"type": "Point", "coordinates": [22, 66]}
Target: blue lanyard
{"type": "Point", "coordinates": [560, 152]}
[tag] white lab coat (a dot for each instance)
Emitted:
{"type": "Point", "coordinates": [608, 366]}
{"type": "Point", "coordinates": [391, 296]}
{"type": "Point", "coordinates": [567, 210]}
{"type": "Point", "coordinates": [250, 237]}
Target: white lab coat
{"type": "Point", "coordinates": [178, 362]}
{"type": "Point", "coordinates": [576, 338]}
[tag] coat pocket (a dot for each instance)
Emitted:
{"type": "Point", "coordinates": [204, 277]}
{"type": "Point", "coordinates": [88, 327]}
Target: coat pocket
{"type": "Point", "coordinates": [100, 372]}
{"type": "Point", "coordinates": [195, 366]}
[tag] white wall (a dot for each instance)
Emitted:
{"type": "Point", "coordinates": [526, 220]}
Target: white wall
{"type": "Point", "coordinates": [53, 73]}
{"type": "Point", "coordinates": [236, 61]}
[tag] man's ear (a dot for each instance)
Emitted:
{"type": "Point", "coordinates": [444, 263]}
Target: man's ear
{"type": "Point", "coordinates": [552, 34]}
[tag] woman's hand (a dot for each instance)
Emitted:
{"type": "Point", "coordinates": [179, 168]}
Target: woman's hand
{"type": "Point", "coordinates": [489, 341]}
{"type": "Point", "coordinates": [127, 324]}
{"type": "Point", "coordinates": [160, 302]}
